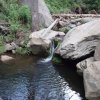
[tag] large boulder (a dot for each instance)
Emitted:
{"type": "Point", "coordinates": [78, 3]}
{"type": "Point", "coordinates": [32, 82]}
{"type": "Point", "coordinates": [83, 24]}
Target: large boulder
{"type": "Point", "coordinates": [80, 40]}
{"type": "Point", "coordinates": [40, 42]}
{"type": "Point", "coordinates": [81, 66]}
{"type": "Point", "coordinates": [45, 17]}
{"type": "Point", "coordinates": [92, 81]}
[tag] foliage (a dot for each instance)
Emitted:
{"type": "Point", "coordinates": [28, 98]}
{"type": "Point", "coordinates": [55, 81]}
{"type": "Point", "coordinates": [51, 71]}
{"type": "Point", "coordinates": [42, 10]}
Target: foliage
{"type": "Point", "coordinates": [19, 19]}
{"type": "Point", "coordinates": [56, 59]}
{"type": "Point", "coordinates": [63, 6]}
{"type": "Point", "coordinates": [24, 49]}
{"type": "Point", "coordinates": [64, 29]}
{"type": "Point", "coordinates": [16, 15]}
{"type": "Point", "coordinates": [92, 4]}
{"type": "Point", "coordinates": [9, 38]}
{"type": "Point", "coordinates": [57, 6]}
{"type": "Point", "coordinates": [24, 14]}
{"type": "Point", "coordinates": [66, 6]}
{"type": "Point", "coordinates": [2, 49]}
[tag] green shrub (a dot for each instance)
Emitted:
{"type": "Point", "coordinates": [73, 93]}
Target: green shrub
{"type": "Point", "coordinates": [2, 49]}
{"type": "Point", "coordinates": [9, 38]}
{"type": "Point", "coordinates": [65, 6]}
{"type": "Point", "coordinates": [24, 49]}
{"type": "Point", "coordinates": [56, 60]}
{"type": "Point", "coordinates": [19, 17]}
{"type": "Point", "coordinates": [25, 14]}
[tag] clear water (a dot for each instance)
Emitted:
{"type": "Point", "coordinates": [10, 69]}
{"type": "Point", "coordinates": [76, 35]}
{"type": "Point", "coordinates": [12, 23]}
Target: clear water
{"type": "Point", "coordinates": [26, 79]}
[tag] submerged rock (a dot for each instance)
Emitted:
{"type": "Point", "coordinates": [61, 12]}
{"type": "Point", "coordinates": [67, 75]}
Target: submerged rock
{"type": "Point", "coordinates": [92, 81]}
{"type": "Point", "coordinates": [80, 41]}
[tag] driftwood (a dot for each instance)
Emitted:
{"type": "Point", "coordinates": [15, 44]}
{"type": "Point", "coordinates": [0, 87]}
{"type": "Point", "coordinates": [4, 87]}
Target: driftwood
{"type": "Point", "coordinates": [49, 28]}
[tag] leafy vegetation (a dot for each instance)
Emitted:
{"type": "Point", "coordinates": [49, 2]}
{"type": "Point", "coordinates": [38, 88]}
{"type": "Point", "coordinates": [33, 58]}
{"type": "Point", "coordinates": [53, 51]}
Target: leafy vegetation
{"type": "Point", "coordinates": [56, 60]}
{"type": "Point", "coordinates": [24, 49]}
{"type": "Point", "coordinates": [1, 44]}
{"type": "Point", "coordinates": [92, 5]}
{"type": "Point", "coordinates": [19, 19]}
{"type": "Point", "coordinates": [66, 6]}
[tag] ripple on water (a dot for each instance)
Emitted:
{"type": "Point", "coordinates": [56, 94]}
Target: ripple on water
{"type": "Point", "coordinates": [49, 85]}
{"type": "Point", "coordinates": [23, 79]}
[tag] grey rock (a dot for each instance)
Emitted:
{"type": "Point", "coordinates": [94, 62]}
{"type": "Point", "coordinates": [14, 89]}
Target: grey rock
{"type": "Point", "coordinates": [40, 43]}
{"type": "Point", "coordinates": [45, 17]}
{"type": "Point", "coordinates": [4, 29]}
{"type": "Point", "coordinates": [81, 66]}
{"type": "Point", "coordinates": [10, 46]}
{"type": "Point", "coordinates": [97, 53]}
{"type": "Point", "coordinates": [92, 81]}
{"type": "Point", "coordinates": [80, 41]}
{"type": "Point", "coordinates": [72, 25]}
{"type": "Point", "coordinates": [5, 58]}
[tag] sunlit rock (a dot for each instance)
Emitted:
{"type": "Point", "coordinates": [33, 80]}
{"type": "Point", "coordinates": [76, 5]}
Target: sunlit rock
{"type": "Point", "coordinates": [40, 42]}
{"type": "Point", "coordinates": [80, 41]}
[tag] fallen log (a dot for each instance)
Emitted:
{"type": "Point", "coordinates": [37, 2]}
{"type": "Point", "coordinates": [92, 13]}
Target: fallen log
{"type": "Point", "coordinates": [49, 28]}
{"type": "Point", "coordinates": [76, 15]}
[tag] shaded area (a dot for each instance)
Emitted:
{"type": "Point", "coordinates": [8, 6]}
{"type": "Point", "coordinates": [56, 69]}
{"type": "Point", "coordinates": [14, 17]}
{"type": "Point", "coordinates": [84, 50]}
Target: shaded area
{"type": "Point", "coordinates": [57, 83]}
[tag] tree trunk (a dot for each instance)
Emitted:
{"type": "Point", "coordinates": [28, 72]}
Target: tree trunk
{"type": "Point", "coordinates": [35, 15]}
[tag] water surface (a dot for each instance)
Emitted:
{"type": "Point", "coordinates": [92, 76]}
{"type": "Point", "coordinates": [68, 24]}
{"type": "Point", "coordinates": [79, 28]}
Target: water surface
{"type": "Point", "coordinates": [26, 79]}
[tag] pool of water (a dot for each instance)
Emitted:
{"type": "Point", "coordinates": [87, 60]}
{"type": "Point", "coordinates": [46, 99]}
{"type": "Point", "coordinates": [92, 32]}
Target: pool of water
{"type": "Point", "coordinates": [26, 78]}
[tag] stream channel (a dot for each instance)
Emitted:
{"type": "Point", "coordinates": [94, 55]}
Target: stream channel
{"type": "Point", "coordinates": [29, 78]}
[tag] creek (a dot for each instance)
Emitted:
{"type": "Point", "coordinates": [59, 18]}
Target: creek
{"type": "Point", "coordinates": [27, 78]}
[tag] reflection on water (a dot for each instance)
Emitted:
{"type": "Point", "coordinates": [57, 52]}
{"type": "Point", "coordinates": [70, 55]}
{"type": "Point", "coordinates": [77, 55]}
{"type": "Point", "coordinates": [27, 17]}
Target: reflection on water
{"type": "Point", "coordinates": [16, 77]}
{"type": "Point", "coordinates": [50, 85]}
{"type": "Point", "coordinates": [23, 79]}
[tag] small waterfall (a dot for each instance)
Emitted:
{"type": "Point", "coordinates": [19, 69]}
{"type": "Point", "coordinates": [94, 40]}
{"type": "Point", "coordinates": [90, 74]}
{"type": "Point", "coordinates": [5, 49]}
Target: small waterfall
{"type": "Point", "coordinates": [52, 49]}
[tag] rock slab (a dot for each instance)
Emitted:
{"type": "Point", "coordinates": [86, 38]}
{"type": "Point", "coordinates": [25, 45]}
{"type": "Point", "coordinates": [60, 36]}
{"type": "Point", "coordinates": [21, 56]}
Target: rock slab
{"type": "Point", "coordinates": [92, 81]}
{"type": "Point", "coordinates": [81, 66]}
{"type": "Point", "coordinates": [80, 41]}
{"type": "Point", "coordinates": [40, 43]}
